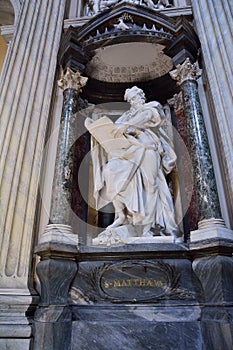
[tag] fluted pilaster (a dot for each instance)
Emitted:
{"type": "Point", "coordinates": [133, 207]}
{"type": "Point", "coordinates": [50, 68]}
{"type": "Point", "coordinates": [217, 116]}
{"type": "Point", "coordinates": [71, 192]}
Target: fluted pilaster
{"type": "Point", "coordinates": [26, 89]}
{"type": "Point", "coordinates": [213, 19]}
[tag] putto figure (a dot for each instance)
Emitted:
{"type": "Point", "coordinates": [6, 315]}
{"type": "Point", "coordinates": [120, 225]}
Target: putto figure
{"type": "Point", "coordinates": [130, 162]}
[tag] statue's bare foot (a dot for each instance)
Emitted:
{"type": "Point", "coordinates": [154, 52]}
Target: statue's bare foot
{"type": "Point", "coordinates": [118, 222]}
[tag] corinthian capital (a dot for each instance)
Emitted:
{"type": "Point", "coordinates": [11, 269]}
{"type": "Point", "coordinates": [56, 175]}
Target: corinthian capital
{"type": "Point", "coordinates": [185, 71]}
{"type": "Point", "coordinates": [72, 80]}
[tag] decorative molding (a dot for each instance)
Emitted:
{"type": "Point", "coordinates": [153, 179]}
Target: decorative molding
{"type": "Point", "coordinates": [170, 12]}
{"type": "Point", "coordinates": [60, 234]}
{"type": "Point", "coordinates": [131, 28]}
{"type": "Point", "coordinates": [7, 32]}
{"type": "Point", "coordinates": [186, 71]}
{"type": "Point", "coordinates": [93, 7]}
{"type": "Point", "coordinates": [17, 6]}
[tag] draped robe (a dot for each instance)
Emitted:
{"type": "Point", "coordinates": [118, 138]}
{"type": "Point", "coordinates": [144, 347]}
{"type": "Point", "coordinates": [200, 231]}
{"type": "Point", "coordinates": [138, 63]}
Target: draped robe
{"type": "Point", "coordinates": [132, 169]}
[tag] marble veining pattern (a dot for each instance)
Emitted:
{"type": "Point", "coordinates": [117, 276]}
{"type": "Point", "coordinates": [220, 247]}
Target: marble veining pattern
{"type": "Point", "coordinates": [205, 183]}
{"type": "Point", "coordinates": [60, 208]}
{"type": "Point", "coordinates": [192, 211]}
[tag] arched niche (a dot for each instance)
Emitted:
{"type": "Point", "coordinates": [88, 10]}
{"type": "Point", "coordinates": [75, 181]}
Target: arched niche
{"type": "Point", "coordinates": [91, 48]}
{"type": "Point", "coordinates": [145, 39]}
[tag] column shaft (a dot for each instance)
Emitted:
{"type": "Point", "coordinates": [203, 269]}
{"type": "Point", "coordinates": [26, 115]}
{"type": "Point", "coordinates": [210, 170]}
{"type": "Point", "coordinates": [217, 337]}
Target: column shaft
{"type": "Point", "coordinates": [60, 225]}
{"type": "Point", "coordinates": [62, 185]}
{"type": "Point", "coordinates": [205, 183]}
{"type": "Point", "coordinates": [204, 178]}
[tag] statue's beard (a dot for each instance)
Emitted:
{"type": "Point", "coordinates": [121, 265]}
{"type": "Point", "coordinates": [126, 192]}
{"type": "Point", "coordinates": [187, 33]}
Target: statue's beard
{"type": "Point", "coordinates": [137, 104]}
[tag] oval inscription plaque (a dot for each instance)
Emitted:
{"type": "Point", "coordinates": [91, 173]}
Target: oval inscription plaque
{"type": "Point", "coordinates": [136, 281]}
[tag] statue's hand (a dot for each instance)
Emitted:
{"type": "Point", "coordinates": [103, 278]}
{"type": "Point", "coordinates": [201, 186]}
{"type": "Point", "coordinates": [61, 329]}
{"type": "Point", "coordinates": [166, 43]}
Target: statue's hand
{"type": "Point", "coordinates": [120, 130]}
{"type": "Point", "coordinates": [88, 121]}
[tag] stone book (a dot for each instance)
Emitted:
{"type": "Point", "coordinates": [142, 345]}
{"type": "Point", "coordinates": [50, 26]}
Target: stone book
{"type": "Point", "coordinates": [105, 132]}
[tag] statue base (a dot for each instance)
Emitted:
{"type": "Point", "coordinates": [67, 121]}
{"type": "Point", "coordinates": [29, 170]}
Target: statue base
{"type": "Point", "coordinates": [129, 234]}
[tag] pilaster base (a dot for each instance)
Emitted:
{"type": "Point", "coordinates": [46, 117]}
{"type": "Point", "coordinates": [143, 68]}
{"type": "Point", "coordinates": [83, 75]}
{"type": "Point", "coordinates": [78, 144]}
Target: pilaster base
{"type": "Point", "coordinates": [209, 229]}
{"type": "Point", "coordinates": [17, 308]}
{"type": "Point", "coordinates": [58, 233]}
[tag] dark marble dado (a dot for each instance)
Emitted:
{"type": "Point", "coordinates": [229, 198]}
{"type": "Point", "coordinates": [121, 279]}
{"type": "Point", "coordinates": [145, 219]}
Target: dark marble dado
{"type": "Point", "coordinates": [139, 335]}
{"type": "Point", "coordinates": [149, 296]}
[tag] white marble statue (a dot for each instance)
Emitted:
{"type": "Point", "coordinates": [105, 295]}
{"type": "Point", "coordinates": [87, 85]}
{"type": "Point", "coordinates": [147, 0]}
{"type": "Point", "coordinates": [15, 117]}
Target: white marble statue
{"type": "Point", "coordinates": [157, 4]}
{"type": "Point", "coordinates": [130, 162]}
{"type": "Point", "coordinates": [163, 3]}
{"type": "Point", "coordinates": [92, 7]}
{"type": "Point", "coordinates": [105, 4]}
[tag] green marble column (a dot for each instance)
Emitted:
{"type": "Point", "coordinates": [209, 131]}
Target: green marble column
{"type": "Point", "coordinates": [60, 211]}
{"type": "Point", "coordinates": [204, 178]}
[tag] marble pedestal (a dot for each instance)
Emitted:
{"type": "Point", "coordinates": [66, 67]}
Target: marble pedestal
{"type": "Point", "coordinates": [136, 296]}
{"type": "Point", "coordinates": [213, 265]}
{"type": "Point", "coordinates": [57, 249]}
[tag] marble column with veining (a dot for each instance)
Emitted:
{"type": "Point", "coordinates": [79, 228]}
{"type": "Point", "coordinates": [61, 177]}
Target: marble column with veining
{"type": "Point", "coordinates": [189, 204]}
{"type": "Point", "coordinates": [205, 183]}
{"type": "Point", "coordinates": [60, 212]}
{"type": "Point", "coordinates": [208, 204]}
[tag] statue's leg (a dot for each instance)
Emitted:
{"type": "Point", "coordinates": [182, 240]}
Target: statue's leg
{"type": "Point", "coordinates": [119, 214]}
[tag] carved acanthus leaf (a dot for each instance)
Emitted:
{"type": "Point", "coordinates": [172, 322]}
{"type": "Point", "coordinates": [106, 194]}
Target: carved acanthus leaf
{"type": "Point", "coordinates": [72, 80]}
{"type": "Point", "coordinates": [186, 71]}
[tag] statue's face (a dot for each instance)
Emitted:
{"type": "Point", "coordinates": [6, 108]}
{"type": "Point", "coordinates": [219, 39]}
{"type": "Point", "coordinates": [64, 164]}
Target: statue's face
{"type": "Point", "coordinates": [135, 96]}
